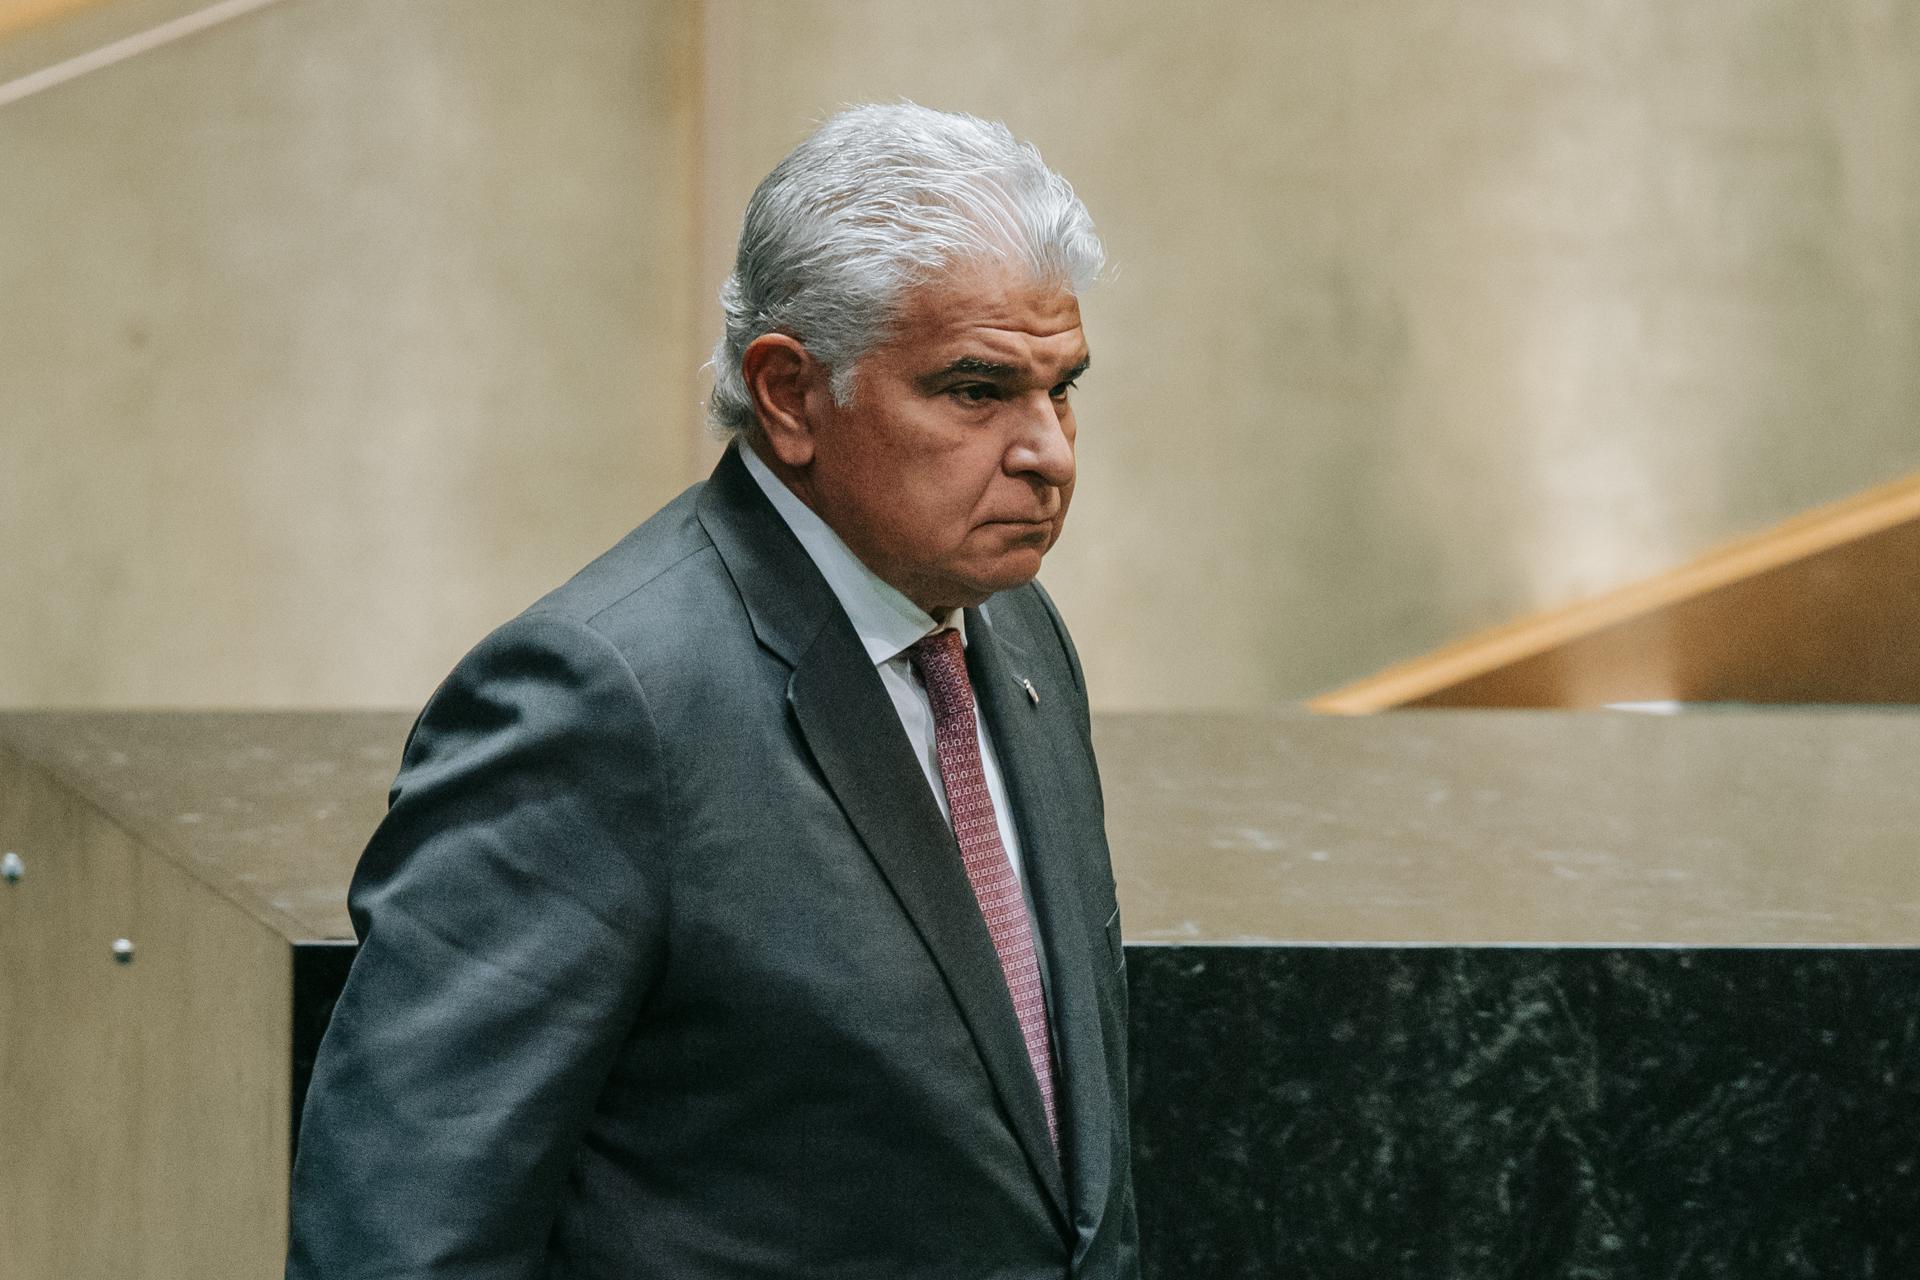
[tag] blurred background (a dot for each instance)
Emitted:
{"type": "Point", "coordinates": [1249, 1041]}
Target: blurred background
{"type": "Point", "coordinates": [333, 332]}
{"type": "Point", "coordinates": [1507, 353]}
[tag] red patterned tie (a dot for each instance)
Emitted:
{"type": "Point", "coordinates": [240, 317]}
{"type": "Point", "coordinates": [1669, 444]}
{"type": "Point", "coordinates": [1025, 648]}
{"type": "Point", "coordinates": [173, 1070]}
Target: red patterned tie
{"type": "Point", "coordinates": [941, 663]}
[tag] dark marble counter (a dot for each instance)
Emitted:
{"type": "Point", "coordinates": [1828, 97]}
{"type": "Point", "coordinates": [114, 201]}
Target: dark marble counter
{"type": "Point", "coordinates": [1492, 995]}
{"type": "Point", "coordinates": [1764, 829]}
{"type": "Point", "coordinates": [1443, 995]}
{"type": "Point", "coordinates": [272, 808]}
{"type": "Point", "coordinates": [1514, 1112]}
{"type": "Point", "coordinates": [1553, 828]}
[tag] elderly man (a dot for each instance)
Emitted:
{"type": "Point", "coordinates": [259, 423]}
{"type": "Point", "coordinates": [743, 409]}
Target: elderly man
{"type": "Point", "coordinates": [743, 907]}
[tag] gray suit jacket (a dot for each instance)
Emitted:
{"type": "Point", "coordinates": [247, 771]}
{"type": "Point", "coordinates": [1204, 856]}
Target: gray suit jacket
{"type": "Point", "coordinates": [669, 966]}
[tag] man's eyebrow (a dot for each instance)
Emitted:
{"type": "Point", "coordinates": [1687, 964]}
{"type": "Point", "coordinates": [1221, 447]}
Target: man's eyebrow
{"type": "Point", "coordinates": [974, 366]}
{"type": "Point", "coordinates": [977, 367]}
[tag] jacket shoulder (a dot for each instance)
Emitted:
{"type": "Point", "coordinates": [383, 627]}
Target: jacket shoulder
{"type": "Point", "coordinates": [660, 544]}
{"type": "Point", "coordinates": [665, 601]}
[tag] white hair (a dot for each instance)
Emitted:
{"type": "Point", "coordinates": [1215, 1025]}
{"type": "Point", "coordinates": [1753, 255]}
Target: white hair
{"type": "Point", "coordinates": [878, 199]}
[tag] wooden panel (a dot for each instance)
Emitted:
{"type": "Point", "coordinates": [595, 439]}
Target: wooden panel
{"type": "Point", "coordinates": [68, 1044]}
{"type": "Point", "coordinates": [1822, 609]}
{"type": "Point", "coordinates": [143, 1105]}
{"type": "Point", "coordinates": [215, 1021]}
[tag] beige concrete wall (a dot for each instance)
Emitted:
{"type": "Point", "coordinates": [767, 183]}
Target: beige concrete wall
{"type": "Point", "coordinates": [333, 335]}
{"type": "Point", "coordinates": [1424, 314]}
{"type": "Point", "coordinates": [20, 15]}
{"type": "Point", "coordinates": [348, 326]}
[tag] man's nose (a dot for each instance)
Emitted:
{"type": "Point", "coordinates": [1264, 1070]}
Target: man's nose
{"type": "Point", "coordinates": [1044, 447]}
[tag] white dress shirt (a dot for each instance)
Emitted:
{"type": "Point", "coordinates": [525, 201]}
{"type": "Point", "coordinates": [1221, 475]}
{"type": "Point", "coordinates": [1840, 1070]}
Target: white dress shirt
{"type": "Point", "coordinates": [888, 624]}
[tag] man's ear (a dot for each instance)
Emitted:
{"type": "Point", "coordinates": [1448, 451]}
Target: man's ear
{"type": "Point", "coordinates": [784, 382]}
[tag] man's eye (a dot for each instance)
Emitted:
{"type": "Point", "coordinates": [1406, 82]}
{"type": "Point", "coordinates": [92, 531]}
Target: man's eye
{"type": "Point", "coordinates": [1060, 392]}
{"type": "Point", "coordinates": [975, 392]}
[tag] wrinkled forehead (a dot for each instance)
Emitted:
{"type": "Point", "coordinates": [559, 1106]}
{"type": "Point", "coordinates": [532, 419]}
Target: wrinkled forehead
{"type": "Point", "coordinates": [993, 324]}
{"type": "Point", "coordinates": [995, 295]}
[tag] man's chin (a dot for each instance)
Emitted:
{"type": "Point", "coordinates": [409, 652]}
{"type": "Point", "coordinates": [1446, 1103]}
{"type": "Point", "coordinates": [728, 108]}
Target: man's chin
{"type": "Point", "coordinates": [1012, 571]}
{"type": "Point", "coordinates": [959, 595]}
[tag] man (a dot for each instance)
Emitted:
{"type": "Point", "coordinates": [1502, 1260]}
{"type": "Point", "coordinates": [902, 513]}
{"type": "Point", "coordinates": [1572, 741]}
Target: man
{"type": "Point", "coordinates": [743, 908]}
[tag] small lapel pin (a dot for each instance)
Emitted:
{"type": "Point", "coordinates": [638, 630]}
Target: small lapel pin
{"type": "Point", "coordinates": [1033, 694]}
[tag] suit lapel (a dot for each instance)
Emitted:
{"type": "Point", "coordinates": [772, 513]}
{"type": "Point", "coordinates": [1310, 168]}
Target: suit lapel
{"type": "Point", "coordinates": [1032, 739]}
{"type": "Point", "coordinates": [856, 737]}
{"type": "Point", "coordinates": [854, 733]}
{"type": "Point", "coordinates": [784, 595]}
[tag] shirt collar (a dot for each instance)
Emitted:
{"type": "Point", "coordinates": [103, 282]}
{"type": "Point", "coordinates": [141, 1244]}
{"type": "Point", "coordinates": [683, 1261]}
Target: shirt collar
{"type": "Point", "coordinates": [884, 619]}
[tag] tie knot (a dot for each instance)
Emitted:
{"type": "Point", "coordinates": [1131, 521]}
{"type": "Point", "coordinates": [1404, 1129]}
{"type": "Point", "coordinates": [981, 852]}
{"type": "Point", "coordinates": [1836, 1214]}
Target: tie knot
{"type": "Point", "coordinates": [938, 651]}
{"type": "Point", "coordinates": [942, 646]}
{"type": "Point", "coordinates": [940, 659]}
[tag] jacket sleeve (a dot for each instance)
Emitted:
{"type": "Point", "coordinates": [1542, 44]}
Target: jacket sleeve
{"type": "Point", "coordinates": [510, 910]}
